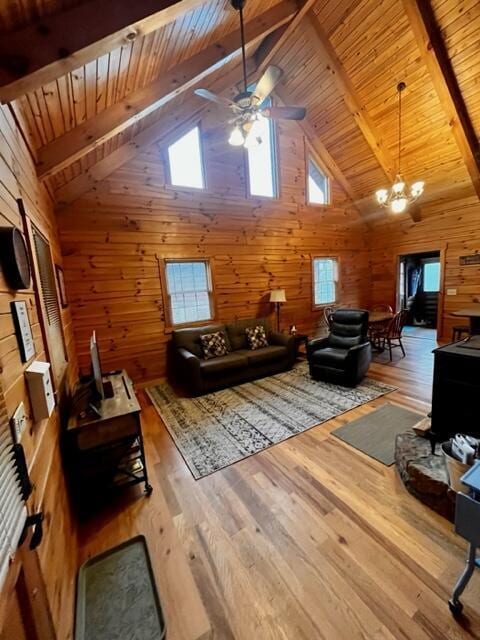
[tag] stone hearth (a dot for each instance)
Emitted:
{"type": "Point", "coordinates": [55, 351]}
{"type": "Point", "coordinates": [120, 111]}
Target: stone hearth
{"type": "Point", "coordinates": [424, 474]}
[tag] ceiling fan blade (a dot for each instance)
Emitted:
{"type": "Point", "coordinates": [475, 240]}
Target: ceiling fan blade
{"type": "Point", "coordinates": [208, 95]}
{"type": "Point", "coordinates": [266, 84]}
{"type": "Point", "coordinates": [285, 113]}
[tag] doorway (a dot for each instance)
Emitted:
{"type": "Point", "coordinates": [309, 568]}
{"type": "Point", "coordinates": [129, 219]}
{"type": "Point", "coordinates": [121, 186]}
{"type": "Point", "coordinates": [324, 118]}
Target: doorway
{"type": "Point", "coordinates": [418, 291]}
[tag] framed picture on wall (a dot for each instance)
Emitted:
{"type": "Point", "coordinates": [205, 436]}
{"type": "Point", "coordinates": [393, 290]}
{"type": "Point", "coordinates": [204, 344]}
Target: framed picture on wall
{"type": "Point", "coordinates": [61, 286]}
{"type": "Point", "coordinates": [23, 330]}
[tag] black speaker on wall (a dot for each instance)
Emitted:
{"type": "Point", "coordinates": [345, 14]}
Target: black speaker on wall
{"type": "Point", "coordinates": [14, 258]}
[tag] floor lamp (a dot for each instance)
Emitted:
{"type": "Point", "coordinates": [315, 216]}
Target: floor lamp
{"type": "Point", "coordinates": [277, 296]}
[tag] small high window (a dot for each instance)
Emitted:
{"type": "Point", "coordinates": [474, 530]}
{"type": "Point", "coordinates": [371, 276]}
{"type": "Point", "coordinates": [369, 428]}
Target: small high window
{"type": "Point", "coordinates": [325, 277]}
{"type": "Point", "coordinates": [317, 184]}
{"type": "Point", "coordinates": [186, 162]}
{"type": "Point", "coordinates": [262, 162]}
{"type": "Point", "coordinates": [189, 292]}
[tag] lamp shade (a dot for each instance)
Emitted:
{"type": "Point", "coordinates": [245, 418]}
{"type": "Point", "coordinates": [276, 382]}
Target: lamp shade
{"type": "Point", "coordinates": [277, 295]}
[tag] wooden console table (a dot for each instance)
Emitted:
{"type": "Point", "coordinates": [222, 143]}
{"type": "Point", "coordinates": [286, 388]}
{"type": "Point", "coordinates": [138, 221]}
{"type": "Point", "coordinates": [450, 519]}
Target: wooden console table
{"type": "Point", "coordinates": [106, 451]}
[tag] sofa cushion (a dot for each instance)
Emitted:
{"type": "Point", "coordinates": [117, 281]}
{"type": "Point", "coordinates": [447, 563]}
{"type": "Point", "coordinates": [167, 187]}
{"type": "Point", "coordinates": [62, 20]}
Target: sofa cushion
{"type": "Point", "coordinates": [259, 357]}
{"type": "Point", "coordinates": [189, 338]}
{"type": "Point", "coordinates": [330, 357]}
{"type": "Point", "coordinates": [223, 364]}
{"type": "Point", "coordinates": [256, 337]}
{"type": "Point", "coordinates": [214, 345]}
{"type": "Point", "coordinates": [236, 331]}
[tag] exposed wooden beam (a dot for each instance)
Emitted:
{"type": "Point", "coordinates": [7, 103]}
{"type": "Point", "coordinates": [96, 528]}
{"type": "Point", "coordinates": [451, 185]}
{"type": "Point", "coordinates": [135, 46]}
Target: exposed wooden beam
{"type": "Point", "coordinates": [62, 42]}
{"type": "Point", "coordinates": [273, 43]}
{"type": "Point", "coordinates": [169, 122]}
{"type": "Point", "coordinates": [434, 53]}
{"type": "Point", "coordinates": [172, 118]}
{"type": "Point", "coordinates": [79, 141]}
{"type": "Point", "coordinates": [354, 103]}
{"type": "Point", "coordinates": [350, 97]}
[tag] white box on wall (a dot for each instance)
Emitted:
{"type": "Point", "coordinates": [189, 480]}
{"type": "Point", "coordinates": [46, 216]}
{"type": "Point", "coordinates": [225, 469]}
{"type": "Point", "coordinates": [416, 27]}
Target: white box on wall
{"type": "Point", "coordinates": [40, 389]}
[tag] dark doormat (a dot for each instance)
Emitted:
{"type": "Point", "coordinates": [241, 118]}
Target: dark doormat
{"type": "Point", "coordinates": [117, 597]}
{"type": "Point", "coordinates": [375, 433]}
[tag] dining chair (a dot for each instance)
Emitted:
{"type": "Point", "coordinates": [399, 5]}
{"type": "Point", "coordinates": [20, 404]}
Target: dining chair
{"type": "Point", "coordinates": [328, 314]}
{"type": "Point", "coordinates": [458, 330]}
{"type": "Point", "coordinates": [393, 332]}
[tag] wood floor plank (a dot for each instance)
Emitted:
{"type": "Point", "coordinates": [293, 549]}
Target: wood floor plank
{"type": "Point", "coordinates": [309, 539]}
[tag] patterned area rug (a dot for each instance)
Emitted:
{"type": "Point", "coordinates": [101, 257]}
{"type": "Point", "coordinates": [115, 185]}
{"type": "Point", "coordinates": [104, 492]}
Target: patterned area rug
{"type": "Point", "coordinates": [218, 429]}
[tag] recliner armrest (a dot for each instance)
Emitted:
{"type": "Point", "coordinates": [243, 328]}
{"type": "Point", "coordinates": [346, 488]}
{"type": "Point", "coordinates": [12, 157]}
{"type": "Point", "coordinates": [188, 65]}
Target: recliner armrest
{"type": "Point", "coordinates": [358, 348]}
{"type": "Point", "coordinates": [315, 344]}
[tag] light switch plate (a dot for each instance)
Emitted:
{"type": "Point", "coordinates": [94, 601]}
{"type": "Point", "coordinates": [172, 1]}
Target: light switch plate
{"type": "Point", "coordinates": [451, 292]}
{"type": "Point", "coordinates": [18, 422]}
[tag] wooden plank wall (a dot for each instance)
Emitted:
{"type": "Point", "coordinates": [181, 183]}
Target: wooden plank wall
{"type": "Point", "coordinates": [110, 238]}
{"type": "Point", "coordinates": [452, 226]}
{"type": "Point", "coordinates": [58, 551]}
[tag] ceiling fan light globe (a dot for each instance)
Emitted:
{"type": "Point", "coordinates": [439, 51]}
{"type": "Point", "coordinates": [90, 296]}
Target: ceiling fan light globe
{"type": "Point", "coordinates": [398, 205]}
{"type": "Point", "coordinates": [252, 141]}
{"type": "Point", "coordinates": [236, 138]}
{"type": "Point", "coordinates": [381, 196]}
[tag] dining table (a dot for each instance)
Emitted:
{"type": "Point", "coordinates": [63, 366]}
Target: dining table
{"type": "Point", "coordinates": [376, 321]}
{"type": "Point", "coordinates": [379, 317]}
{"type": "Point", "coordinates": [473, 314]}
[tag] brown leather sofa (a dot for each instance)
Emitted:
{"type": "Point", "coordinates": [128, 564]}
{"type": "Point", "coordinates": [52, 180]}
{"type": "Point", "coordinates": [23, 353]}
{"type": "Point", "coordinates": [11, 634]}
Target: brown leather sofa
{"type": "Point", "coordinates": [187, 367]}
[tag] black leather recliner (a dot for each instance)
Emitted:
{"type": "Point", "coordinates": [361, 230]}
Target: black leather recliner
{"type": "Point", "coordinates": [344, 356]}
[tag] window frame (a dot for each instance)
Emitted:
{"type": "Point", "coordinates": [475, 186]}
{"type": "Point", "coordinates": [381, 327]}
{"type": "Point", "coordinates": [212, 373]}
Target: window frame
{"type": "Point", "coordinates": [316, 307]}
{"type": "Point", "coordinates": [311, 153]}
{"type": "Point", "coordinates": [166, 159]}
{"type": "Point", "coordinates": [59, 370]}
{"type": "Point", "coordinates": [169, 324]}
{"type": "Point", "coordinates": [275, 164]}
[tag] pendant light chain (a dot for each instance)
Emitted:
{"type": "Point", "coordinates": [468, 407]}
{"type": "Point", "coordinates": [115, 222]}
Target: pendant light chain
{"type": "Point", "coordinates": [399, 127]}
{"type": "Point", "coordinates": [400, 194]}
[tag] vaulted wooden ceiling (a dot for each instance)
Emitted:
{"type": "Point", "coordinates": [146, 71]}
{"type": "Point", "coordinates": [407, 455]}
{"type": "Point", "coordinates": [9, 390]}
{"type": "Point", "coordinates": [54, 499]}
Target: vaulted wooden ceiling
{"type": "Point", "coordinates": [342, 60]}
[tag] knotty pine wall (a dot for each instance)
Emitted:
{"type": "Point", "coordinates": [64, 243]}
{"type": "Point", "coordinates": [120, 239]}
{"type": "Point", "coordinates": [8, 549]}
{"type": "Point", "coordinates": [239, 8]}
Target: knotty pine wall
{"type": "Point", "coordinates": [58, 550]}
{"type": "Point", "coordinates": [451, 226]}
{"type": "Point", "coordinates": [111, 237]}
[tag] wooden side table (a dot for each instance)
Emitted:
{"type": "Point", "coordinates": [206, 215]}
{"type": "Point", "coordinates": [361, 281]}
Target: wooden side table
{"type": "Point", "coordinates": [300, 338]}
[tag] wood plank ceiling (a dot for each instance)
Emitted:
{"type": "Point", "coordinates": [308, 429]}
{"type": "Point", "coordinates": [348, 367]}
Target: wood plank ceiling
{"type": "Point", "coordinates": [372, 42]}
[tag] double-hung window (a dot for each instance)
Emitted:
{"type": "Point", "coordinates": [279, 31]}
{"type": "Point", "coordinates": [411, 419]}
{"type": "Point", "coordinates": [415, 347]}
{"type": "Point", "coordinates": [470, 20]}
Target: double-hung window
{"type": "Point", "coordinates": [189, 291]}
{"type": "Point", "coordinates": [325, 279]}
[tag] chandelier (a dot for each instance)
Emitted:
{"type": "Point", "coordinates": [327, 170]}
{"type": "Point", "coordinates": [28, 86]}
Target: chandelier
{"type": "Point", "coordinates": [400, 194]}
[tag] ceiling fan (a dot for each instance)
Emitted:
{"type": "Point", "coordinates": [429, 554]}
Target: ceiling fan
{"type": "Point", "coordinates": [248, 107]}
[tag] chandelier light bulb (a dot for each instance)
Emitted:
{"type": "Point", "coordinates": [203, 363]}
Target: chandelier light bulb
{"type": "Point", "coordinates": [398, 205]}
{"type": "Point", "coordinates": [398, 187]}
{"type": "Point", "coordinates": [382, 196]}
{"type": "Point", "coordinates": [417, 189]}
{"type": "Point", "coordinates": [236, 138]}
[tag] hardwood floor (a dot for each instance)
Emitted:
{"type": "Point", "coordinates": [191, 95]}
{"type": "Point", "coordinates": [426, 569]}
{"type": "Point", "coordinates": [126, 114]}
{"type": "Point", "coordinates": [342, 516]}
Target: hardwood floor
{"type": "Point", "coordinates": [308, 539]}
